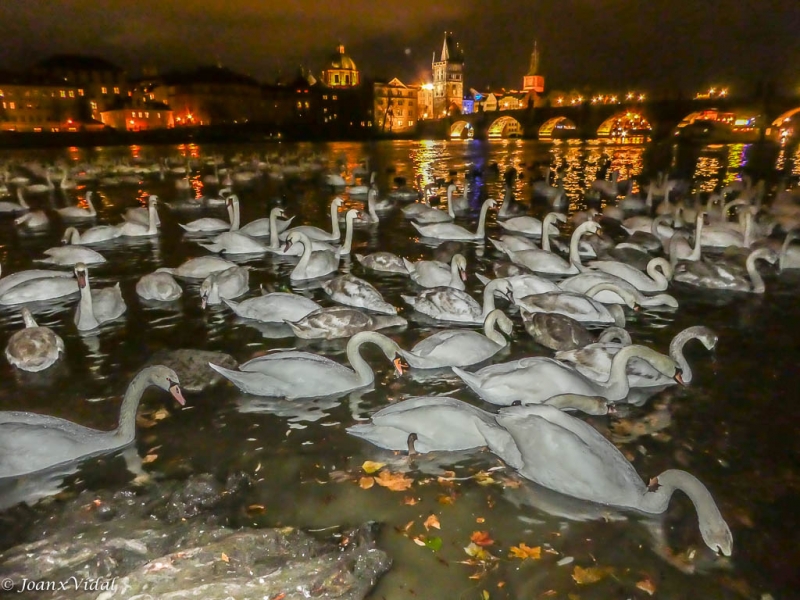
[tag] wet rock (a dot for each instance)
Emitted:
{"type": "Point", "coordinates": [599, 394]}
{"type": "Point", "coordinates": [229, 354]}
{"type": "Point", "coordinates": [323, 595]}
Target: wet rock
{"type": "Point", "coordinates": [188, 553]}
{"type": "Point", "coordinates": [192, 366]}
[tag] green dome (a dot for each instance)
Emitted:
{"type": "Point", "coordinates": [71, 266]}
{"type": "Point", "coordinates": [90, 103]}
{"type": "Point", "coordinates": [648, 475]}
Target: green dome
{"type": "Point", "coordinates": [340, 60]}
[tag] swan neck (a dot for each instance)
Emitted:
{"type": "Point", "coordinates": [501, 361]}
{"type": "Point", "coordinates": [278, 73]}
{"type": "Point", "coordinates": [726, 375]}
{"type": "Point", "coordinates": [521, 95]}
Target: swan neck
{"type": "Point", "coordinates": [490, 330]}
{"type": "Point", "coordinates": [235, 216]}
{"type": "Point", "coordinates": [305, 258]}
{"type": "Point", "coordinates": [360, 366]}
{"type": "Point", "coordinates": [273, 230]}
{"type": "Point", "coordinates": [89, 195]}
{"type": "Point", "coordinates": [151, 216]}
{"type": "Point", "coordinates": [481, 231]}
{"type": "Point", "coordinates": [348, 236]}
{"type": "Point", "coordinates": [28, 319]}
{"type": "Point", "coordinates": [574, 244]}
{"type": "Point", "coordinates": [698, 248]}
{"type": "Point", "coordinates": [545, 226]}
{"type": "Point", "coordinates": [488, 297]}
{"type": "Point", "coordinates": [126, 429]}
{"type": "Point", "coordinates": [676, 352]}
{"type": "Point", "coordinates": [752, 272]}
{"type": "Point", "coordinates": [335, 220]}
{"type": "Point", "coordinates": [85, 312]}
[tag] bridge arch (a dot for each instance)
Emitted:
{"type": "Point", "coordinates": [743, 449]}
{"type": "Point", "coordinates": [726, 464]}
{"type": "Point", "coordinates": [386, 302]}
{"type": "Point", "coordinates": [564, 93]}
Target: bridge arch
{"type": "Point", "coordinates": [624, 124]}
{"type": "Point", "coordinates": [505, 127]}
{"type": "Point", "coordinates": [457, 129]}
{"type": "Point", "coordinates": [549, 126]}
{"type": "Point", "coordinates": [785, 117]}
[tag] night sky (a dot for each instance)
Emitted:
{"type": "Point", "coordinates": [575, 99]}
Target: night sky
{"type": "Point", "coordinates": [611, 45]}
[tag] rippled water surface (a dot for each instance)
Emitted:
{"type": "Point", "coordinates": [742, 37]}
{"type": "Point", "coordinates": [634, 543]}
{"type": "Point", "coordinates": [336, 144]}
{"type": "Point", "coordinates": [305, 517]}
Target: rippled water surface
{"type": "Point", "coordinates": [734, 427]}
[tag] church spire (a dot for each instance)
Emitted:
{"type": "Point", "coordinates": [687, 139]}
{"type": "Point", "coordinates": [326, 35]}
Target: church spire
{"type": "Point", "coordinates": [534, 66]}
{"type": "Point", "coordinates": [446, 48]}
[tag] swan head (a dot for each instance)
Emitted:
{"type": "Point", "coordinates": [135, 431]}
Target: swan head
{"type": "Point", "coordinates": [717, 535]}
{"type": "Point", "coordinates": [167, 380]}
{"type": "Point", "coordinates": [277, 212]}
{"type": "Point", "coordinates": [295, 237]}
{"type": "Point", "coordinates": [152, 200]}
{"type": "Point", "coordinates": [337, 202]}
{"type": "Point", "coordinates": [81, 274]}
{"type": "Point", "coordinates": [461, 264]}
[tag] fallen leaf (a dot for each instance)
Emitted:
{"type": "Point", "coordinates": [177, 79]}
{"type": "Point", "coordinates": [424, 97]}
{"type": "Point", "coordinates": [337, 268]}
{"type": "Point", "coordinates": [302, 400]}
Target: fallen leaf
{"type": "Point", "coordinates": [371, 467]}
{"type": "Point", "coordinates": [407, 526]}
{"type": "Point", "coordinates": [366, 482]}
{"type": "Point", "coordinates": [485, 595]}
{"type": "Point", "coordinates": [280, 596]}
{"type": "Point", "coordinates": [431, 521]}
{"type": "Point", "coordinates": [548, 594]}
{"type": "Point", "coordinates": [410, 500]}
{"type": "Point", "coordinates": [476, 551]}
{"type": "Point", "coordinates": [483, 478]}
{"type": "Point", "coordinates": [160, 414]}
{"type": "Point", "coordinates": [396, 482]}
{"type": "Point", "coordinates": [646, 586]}
{"type": "Point", "coordinates": [225, 557]}
{"type": "Point", "coordinates": [480, 520]}
{"type": "Point", "coordinates": [481, 538]}
{"type": "Point", "coordinates": [418, 541]}
{"type": "Point", "coordinates": [256, 508]}
{"type": "Point", "coordinates": [149, 458]}
{"type": "Point", "coordinates": [524, 551]}
{"type": "Point", "coordinates": [590, 574]}
{"type": "Point", "coordinates": [501, 584]}
{"type": "Point", "coordinates": [445, 499]}
{"type": "Point", "coordinates": [434, 543]}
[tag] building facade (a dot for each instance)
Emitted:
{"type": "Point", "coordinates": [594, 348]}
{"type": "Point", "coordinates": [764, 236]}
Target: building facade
{"type": "Point", "coordinates": [341, 71]}
{"type": "Point", "coordinates": [138, 116]}
{"type": "Point", "coordinates": [448, 79]}
{"type": "Point", "coordinates": [32, 103]}
{"type": "Point", "coordinates": [395, 107]}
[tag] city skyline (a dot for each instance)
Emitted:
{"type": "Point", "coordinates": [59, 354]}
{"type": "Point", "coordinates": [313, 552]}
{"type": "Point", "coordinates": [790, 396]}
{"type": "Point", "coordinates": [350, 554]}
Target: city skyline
{"type": "Point", "coordinates": [607, 44]}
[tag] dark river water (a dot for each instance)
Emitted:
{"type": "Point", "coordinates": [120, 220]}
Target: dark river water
{"type": "Point", "coordinates": [734, 426]}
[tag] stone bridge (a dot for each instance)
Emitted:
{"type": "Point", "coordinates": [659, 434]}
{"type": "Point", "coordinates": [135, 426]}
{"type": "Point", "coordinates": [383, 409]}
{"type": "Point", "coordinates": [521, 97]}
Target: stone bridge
{"type": "Point", "coordinates": [656, 119]}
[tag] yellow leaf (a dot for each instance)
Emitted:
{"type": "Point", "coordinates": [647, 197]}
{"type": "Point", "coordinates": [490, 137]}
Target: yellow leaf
{"type": "Point", "coordinates": [480, 520]}
{"type": "Point", "coordinates": [366, 482]}
{"type": "Point", "coordinates": [225, 557]}
{"type": "Point", "coordinates": [256, 508]}
{"type": "Point", "coordinates": [371, 467]}
{"type": "Point", "coordinates": [476, 551]}
{"type": "Point", "coordinates": [149, 458]}
{"type": "Point", "coordinates": [483, 478]}
{"type": "Point", "coordinates": [410, 500]}
{"type": "Point", "coordinates": [590, 574]}
{"type": "Point", "coordinates": [485, 595]}
{"type": "Point", "coordinates": [646, 586]}
{"type": "Point", "coordinates": [161, 414]}
{"type": "Point", "coordinates": [432, 521]}
{"type": "Point", "coordinates": [445, 499]}
{"type": "Point", "coordinates": [524, 551]}
{"type": "Point", "coordinates": [396, 482]}
{"type": "Point", "coordinates": [481, 538]}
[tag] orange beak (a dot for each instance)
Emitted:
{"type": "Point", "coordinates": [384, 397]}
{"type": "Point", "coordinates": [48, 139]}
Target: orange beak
{"type": "Point", "coordinates": [175, 390]}
{"type": "Point", "coordinates": [399, 365]}
{"type": "Point", "coordinates": [678, 377]}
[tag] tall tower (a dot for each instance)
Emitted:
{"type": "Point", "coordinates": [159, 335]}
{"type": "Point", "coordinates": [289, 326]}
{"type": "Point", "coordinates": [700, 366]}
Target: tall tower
{"type": "Point", "coordinates": [448, 78]}
{"type": "Point", "coordinates": [533, 82]}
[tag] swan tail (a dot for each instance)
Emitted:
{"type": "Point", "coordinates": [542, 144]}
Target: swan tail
{"type": "Point", "coordinates": [234, 306]}
{"type": "Point", "coordinates": [410, 300]}
{"type": "Point", "coordinates": [359, 258]}
{"type": "Point", "coordinates": [186, 227]}
{"type": "Point", "coordinates": [468, 378]}
{"type": "Point", "coordinates": [216, 248]}
{"type": "Point", "coordinates": [409, 266]}
{"type": "Point", "coordinates": [249, 382]}
{"type": "Point", "coordinates": [482, 278]}
{"type": "Point", "coordinates": [498, 244]}
{"type": "Point", "coordinates": [418, 228]}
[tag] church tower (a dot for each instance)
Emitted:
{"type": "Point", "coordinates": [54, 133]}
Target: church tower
{"type": "Point", "coordinates": [448, 79]}
{"type": "Point", "coordinates": [533, 82]}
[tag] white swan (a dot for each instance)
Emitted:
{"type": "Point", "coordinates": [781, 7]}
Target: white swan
{"type": "Point", "coordinates": [531, 225]}
{"type": "Point", "coordinates": [659, 272]}
{"type": "Point", "coordinates": [198, 268]}
{"type": "Point", "coordinates": [213, 225]}
{"type": "Point", "coordinates": [434, 273]}
{"type": "Point", "coordinates": [34, 348]}
{"type": "Point", "coordinates": [383, 262]}
{"type": "Point", "coordinates": [567, 455]}
{"type": "Point", "coordinates": [276, 307]}
{"type": "Point", "coordinates": [450, 304]}
{"type": "Point", "coordinates": [158, 286]}
{"type": "Point", "coordinates": [312, 264]}
{"type": "Point", "coordinates": [93, 235]}
{"type": "Point", "coordinates": [135, 229]}
{"type": "Point", "coordinates": [40, 288]}
{"type": "Point", "coordinates": [513, 242]}
{"type": "Point", "coordinates": [458, 204]}
{"type": "Point", "coordinates": [36, 220]}
{"type": "Point", "coordinates": [317, 234]}
{"type": "Point", "coordinates": [525, 285]}
{"type": "Point", "coordinates": [140, 215]}
{"type": "Point", "coordinates": [716, 276]}
{"type": "Point", "coordinates": [31, 442]}
{"type": "Point", "coordinates": [790, 255]}
{"type": "Point", "coordinates": [533, 380]}
{"type": "Point", "coordinates": [581, 307]}
{"type": "Point", "coordinates": [336, 322]}
{"type": "Point", "coordinates": [460, 347]}
{"type": "Point", "coordinates": [352, 291]}
{"type": "Point", "coordinates": [96, 306]}
{"type": "Point", "coordinates": [618, 291]}
{"type": "Point", "coordinates": [291, 374]}
{"type": "Point", "coordinates": [76, 213]}
{"type": "Point", "coordinates": [262, 227]}
{"type": "Point", "coordinates": [71, 255]}
{"type": "Point", "coordinates": [451, 231]}
{"type": "Point", "coordinates": [544, 261]}
{"type": "Point", "coordinates": [233, 242]}
{"type": "Point", "coordinates": [10, 281]}
{"type": "Point", "coordinates": [595, 360]}
{"type": "Point", "coordinates": [230, 283]}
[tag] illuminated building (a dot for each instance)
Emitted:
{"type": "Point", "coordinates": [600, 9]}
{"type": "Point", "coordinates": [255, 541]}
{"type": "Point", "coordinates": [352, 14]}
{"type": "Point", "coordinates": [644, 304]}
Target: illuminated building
{"type": "Point", "coordinates": [341, 71]}
{"type": "Point", "coordinates": [533, 82]}
{"type": "Point", "coordinates": [395, 107]}
{"type": "Point", "coordinates": [448, 79]}
{"type": "Point", "coordinates": [129, 115]}
{"type": "Point", "coordinates": [425, 101]}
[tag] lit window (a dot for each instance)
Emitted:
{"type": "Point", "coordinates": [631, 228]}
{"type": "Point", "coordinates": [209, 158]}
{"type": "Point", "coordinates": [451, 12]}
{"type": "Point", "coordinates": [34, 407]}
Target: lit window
{"type": "Point", "coordinates": [152, 96]}
{"type": "Point", "coordinates": [2, 94]}
{"type": "Point", "coordinates": [80, 92]}
{"type": "Point", "coordinates": [306, 103]}
{"type": "Point", "coordinates": [63, 94]}
{"type": "Point", "coordinates": [411, 123]}
{"type": "Point", "coordinates": [334, 97]}
{"type": "Point", "coordinates": [104, 90]}
{"type": "Point", "coordinates": [93, 105]}
{"type": "Point", "coordinates": [140, 114]}
{"type": "Point", "coordinates": [71, 93]}
{"type": "Point", "coordinates": [299, 104]}
{"type": "Point", "coordinates": [336, 79]}
{"type": "Point", "coordinates": [12, 105]}
{"type": "Point", "coordinates": [116, 90]}
{"type": "Point", "coordinates": [325, 97]}
{"type": "Point", "coordinates": [158, 115]}
{"type": "Point", "coordinates": [133, 113]}
{"type": "Point", "coordinates": [146, 115]}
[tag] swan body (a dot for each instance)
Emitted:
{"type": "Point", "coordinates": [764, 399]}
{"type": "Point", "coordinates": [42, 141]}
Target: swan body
{"type": "Point", "coordinates": [571, 457]}
{"type": "Point", "coordinates": [30, 442]}
{"type": "Point", "coordinates": [527, 226]}
{"type": "Point", "coordinates": [291, 374]}
{"type": "Point", "coordinates": [158, 286]}
{"type": "Point", "coordinates": [434, 273]}
{"type": "Point", "coordinates": [233, 242]}
{"type": "Point", "coordinates": [96, 306]}
{"type": "Point", "coordinates": [580, 307]}
{"type": "Point", "coordinates": [617, 291]}
{"type": "Point", "coordinates": [72, 255]}
{"type": "Point", "coordinates": [533, 380]}
{"type": "Point", "coordinates": [32, 221]}
{"type": "Point", "coordinates": [513, 242]}
{"type": "Point", "coordinates": [312, 264]}
{"type": "Point", "coordinates": [352, 291]}
{"type": "Point", "coordinates": [317, 234]}
{"type": "Point", "coordinates": [460, 347]}
{"type": "Point", "coordinates": [15, 279]}
{"type": "Point", "coordinates": [450, 304]}
{"type": "Point", "coordinates": [525, 285]}
{"type": "Point", "coordinates": [451, 231]}
{"type": "Point", "coordinates": [276, 307]}
{"type": "Point", "coordinates": [383, 262]}
{"type": "Point", "coordinates": [340, 321]}
{"type": "Point", "coordinates": [230, 283]}
{"type": "Point", "coordinates": [556, 332]}
{"type": "Point", "coordinates": [261, 227]}
{"type": "Point", "coordinates": [544, 261]}
{"type": "Point", "coordinates": [34, 348]}
{"type": "Point", "coordinates": [198, 268]}
{"type": "Point", "coordinates": [93, 235]}
{"type": "Point", "coordinates": [790, 255]}
{"type": "Point", "coordinates": [76, 213]}
{"type": "Point", "coordinates": [40, 289]}
{"type": "Point", "coordinates": [136, 229]}
{"type": "Point", "coordinates": [659, 272]}
{"type": "Point", "coordinates": [716, 276]}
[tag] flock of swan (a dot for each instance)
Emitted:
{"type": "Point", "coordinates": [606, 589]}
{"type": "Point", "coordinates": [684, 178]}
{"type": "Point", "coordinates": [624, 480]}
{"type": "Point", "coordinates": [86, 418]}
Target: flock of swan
{"type": "Point", "coordinates": [562, 301]}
